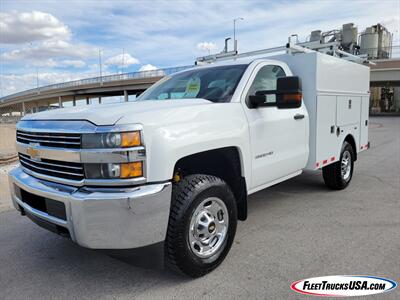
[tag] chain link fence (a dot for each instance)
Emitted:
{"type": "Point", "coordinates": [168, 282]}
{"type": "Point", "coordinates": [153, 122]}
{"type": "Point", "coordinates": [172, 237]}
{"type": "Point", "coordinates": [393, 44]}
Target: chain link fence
{"type": "Point", "coordinates": [11, 113]}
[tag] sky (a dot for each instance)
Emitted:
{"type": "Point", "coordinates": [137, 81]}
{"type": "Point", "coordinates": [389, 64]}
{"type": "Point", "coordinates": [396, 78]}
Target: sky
{"type": "Point", "coordinates": [45, 42]}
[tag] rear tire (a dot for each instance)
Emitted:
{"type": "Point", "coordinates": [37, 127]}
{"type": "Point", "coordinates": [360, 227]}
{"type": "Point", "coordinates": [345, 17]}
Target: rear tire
{"type": "Point", "coordinates": [202, 225]}
{"type": "Point", "coordinates": [338, 175]}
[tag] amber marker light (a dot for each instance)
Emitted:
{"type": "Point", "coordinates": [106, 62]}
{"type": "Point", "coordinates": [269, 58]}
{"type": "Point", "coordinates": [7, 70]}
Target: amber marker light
{"type": "Point", "coordinates": [133, 169]}
{"type": "Point", "coordinates": [130, 139]}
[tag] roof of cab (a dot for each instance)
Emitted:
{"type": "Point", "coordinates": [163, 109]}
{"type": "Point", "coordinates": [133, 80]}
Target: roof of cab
{"type": "Point", "coordinates": [230, 62]}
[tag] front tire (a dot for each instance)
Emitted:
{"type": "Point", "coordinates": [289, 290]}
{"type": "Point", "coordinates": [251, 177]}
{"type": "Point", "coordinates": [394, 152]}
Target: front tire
{"type": "Point", "coordinates": [338, 175]}
{"type": "Point", "coordinates": [202, 225]}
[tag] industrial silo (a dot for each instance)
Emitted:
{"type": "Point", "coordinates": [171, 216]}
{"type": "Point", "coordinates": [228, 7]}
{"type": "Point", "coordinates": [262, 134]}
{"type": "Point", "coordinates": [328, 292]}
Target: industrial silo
{"type": "Point", "coordinates": [349, 37]}
{"type": "Point", "coordinates": [376, 41]}
{"type": "Point", "coordinates": [369, 42]}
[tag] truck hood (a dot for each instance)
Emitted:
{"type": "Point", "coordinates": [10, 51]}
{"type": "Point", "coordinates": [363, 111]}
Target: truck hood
{"type": "Point", "coordinates": [122, 113]}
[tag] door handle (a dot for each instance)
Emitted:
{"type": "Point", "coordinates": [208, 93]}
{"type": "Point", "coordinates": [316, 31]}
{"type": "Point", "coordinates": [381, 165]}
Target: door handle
{"type": "Point", "coordinates": [298, 116]}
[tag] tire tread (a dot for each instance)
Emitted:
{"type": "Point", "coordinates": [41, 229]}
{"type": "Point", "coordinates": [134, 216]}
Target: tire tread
{"type": "Point", "coordinates": [182, 192]}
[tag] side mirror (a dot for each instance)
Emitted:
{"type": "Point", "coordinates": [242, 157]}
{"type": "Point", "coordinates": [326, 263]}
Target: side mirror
{"type": "Point", "coordinates": [256, 100]}
{"type": "Point", "coordinates": [288, 92]}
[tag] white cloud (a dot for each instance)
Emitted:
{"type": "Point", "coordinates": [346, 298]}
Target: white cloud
{"type": "Point", "coordinates": [148, 67]}
{"type": "Point", "coordinates": [208, 46]}
{"type": "Point", "coordinates": [73, 63]}
{"type": "Point", "coordinates": [23, 27]}
{"type": "Point", "coordinates": [50, 49]}
{"type": "Point", "coordinates": [49, 41]}
{"type": "Point", "coordinates": [122, 60]}
{"type": "Point", "coordinates": [45, 53]}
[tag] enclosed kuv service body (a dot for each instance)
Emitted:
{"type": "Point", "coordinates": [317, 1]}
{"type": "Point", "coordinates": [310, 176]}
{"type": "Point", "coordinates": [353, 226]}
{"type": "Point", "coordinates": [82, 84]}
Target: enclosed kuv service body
{"type": "Point", "coordinates": [336, 94]}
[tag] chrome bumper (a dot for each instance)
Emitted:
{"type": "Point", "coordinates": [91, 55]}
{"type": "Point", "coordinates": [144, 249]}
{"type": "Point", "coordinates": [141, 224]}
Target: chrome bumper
{"type": "Point", "coordinates": [100, 218]}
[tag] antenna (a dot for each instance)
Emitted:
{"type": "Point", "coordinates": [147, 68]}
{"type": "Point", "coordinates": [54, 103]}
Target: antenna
{"type": "Point", "coordinates": [234, 32]}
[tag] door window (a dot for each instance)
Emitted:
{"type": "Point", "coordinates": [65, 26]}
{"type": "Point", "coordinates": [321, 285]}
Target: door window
{"type": "Point", "coordinates": [265, 80]}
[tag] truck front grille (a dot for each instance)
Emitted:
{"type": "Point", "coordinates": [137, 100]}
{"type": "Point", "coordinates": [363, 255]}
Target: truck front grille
{"type": "Point", "coordinates": [57, 140]}
{"type": "Point", "coordinates": [54, 168]}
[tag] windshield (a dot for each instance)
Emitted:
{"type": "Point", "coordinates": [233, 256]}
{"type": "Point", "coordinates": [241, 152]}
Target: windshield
{"type": "Point", "coordinates": [216, 84]}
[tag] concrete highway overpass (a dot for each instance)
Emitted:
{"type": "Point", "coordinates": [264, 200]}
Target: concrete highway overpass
{"type": "Point", "coordinates": [85, 89]}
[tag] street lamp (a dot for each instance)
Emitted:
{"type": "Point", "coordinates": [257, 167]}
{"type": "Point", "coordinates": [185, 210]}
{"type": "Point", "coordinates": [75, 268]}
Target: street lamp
{"type": "Point", "coordinates": [123, 60]}
{"type": "Point", "coordinates": [101, 75]}
{"type": "Point", "coordinates": [37, 68]}
{"type": "Point", "coordinates": [234, 32]}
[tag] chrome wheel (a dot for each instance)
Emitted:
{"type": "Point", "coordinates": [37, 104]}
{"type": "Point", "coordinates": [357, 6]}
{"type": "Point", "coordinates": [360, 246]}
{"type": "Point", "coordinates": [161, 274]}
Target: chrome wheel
{"type": "Point", "coordinates": [208, 227]}
{"type": "Point", "coordinates": [346, 165]}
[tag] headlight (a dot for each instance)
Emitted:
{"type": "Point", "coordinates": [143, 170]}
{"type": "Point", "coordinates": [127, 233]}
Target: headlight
{"type": "Point", "coordinates": [114, 171]}
{"type": "Point", "coordinates": [111, 140]}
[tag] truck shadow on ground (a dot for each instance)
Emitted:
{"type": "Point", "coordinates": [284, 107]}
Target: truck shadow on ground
{"type": "Point", "coordinates": [152, 257]}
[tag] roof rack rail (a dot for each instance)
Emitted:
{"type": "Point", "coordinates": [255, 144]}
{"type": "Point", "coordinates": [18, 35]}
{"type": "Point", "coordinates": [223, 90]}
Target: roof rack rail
{"type": "Point", "coordinates": [332, 49]}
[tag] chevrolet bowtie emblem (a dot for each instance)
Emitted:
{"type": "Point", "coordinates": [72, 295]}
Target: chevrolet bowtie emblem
{"type": "Point", "coordinates": [32, 152]}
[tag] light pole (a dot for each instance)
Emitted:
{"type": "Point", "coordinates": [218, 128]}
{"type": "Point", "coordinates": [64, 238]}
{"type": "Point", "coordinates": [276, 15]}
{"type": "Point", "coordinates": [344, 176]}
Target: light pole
{"type": "Point", "coordinates": [123, 59]}
{"type": "Point", "coordinates": [37, 69]}
{"type": "Point", "coordinates": [234, 32]}
{"type": "Point", "coordinates": [37, 77]}
{"type": "Point", "coordinates": [101, 75]}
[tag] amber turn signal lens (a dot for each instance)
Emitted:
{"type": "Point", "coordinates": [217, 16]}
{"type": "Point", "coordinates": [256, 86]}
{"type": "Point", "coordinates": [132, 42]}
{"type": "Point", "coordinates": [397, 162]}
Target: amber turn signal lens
{"type": "Point", "coordinates": [130, 139]}
{"type": "Point", "coordinates": [130, 170]}
{"type": "Point", "coordinates": [292, 97]}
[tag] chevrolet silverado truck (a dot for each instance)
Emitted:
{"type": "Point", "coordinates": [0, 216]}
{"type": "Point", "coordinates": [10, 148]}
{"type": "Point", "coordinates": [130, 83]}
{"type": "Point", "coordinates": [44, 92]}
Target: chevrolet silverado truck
{"type": "Point", "coordinates": [177, 165]}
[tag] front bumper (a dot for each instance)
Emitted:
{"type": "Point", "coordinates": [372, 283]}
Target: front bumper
{"type": "Point", "coordinates": [100, 218]}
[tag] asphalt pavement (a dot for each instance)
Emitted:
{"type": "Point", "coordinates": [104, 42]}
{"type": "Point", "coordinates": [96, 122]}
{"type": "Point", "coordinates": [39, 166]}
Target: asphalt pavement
{"type": "Point", "coordinates": [297, 229]}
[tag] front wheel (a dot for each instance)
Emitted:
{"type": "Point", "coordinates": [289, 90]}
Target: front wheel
{"type": "Point", "coordinates": [201, 226]}
{"type": "Point", "coordinates": [338, 175]}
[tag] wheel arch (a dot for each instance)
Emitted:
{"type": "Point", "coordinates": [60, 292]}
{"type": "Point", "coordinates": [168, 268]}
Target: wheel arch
{"type": "Point", "coordinates": [225, 163]}
{"type": "Point", "coordinates": [350, 139]}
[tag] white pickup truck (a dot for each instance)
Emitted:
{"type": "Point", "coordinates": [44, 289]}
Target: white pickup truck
{"type": "Point", "coordinates": [178, 164]}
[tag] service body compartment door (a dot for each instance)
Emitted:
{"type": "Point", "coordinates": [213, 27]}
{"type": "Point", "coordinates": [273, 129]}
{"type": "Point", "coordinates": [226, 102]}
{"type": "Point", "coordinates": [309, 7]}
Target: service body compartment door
{"type": "Point", "coordinates": [326, 139]}
{"type": "Point", "coordinates": [364, 122]}
{"type": "Point", "coordinates": [348, 110]}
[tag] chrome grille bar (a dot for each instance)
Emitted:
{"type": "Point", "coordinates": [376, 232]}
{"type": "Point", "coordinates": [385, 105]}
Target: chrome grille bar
{"type": "Point", "coordinates": [53, 168]}
{"type": "Point", "coordinates": [45, 141]}
{"type": "Point", "coordinates": [48, 136]}
{"type": "Point", "coordinates": [50, 164]}
{"type": "Point", "coordinates": [56, 140]}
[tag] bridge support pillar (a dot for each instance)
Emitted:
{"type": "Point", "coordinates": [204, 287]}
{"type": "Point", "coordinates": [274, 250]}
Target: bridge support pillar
{"type": "Point", "coordinates": [60, 102]}
{"type": "Point", "coordinates": [126, 97]}
{"type": "Point", "coordinates": [99, 100]}
{"type": "Point", "coordinates": [74, 101]}
{"type": "Point", "coordinates": [87, 100]}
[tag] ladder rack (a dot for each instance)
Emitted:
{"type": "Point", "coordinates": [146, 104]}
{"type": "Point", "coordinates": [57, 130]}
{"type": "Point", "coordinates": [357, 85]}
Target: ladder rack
{"type": "Point", "coordinates": [289, 48]}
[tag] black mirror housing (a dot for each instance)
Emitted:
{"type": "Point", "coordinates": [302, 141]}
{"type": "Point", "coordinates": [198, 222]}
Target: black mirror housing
{"type": "Point", "coordinates": [288, 92]}
{"type": "Point", "coordinates": [256, 100]}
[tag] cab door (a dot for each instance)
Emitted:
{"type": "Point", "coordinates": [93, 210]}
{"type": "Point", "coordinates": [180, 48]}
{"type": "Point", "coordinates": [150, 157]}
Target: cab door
{"type": "Point", "coordinates": [278, 137]}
